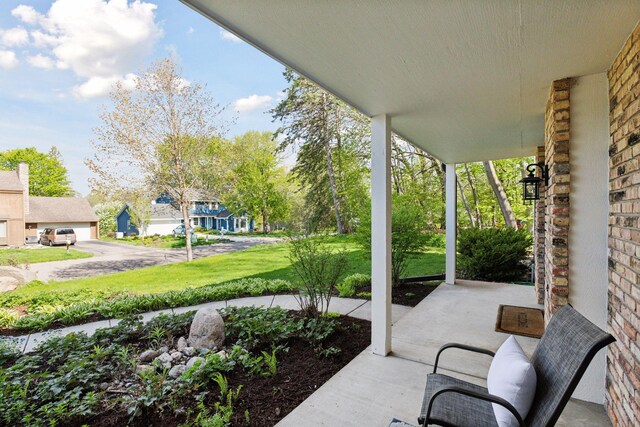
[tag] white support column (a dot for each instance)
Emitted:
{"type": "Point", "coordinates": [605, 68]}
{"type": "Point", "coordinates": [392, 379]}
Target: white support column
{"type": "Point", "coordinates": [381, 234]}
{"type": "Point", "coordinates": [452, 222]}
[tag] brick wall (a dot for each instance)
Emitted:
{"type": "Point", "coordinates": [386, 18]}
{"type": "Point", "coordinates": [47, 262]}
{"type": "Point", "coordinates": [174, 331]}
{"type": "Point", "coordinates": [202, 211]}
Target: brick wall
{"type": "Point", "coordinates": [623, 359]}
{"type": "Point", "coordinates": [557, 136]}
{"type": "Point", "coordinates": [538, 219]}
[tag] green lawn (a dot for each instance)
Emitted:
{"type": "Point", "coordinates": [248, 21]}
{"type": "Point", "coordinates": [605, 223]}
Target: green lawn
{"type": "Point", "coordinates": [35, 255]}
{"type": "Point", "coordinates": [264, 261]}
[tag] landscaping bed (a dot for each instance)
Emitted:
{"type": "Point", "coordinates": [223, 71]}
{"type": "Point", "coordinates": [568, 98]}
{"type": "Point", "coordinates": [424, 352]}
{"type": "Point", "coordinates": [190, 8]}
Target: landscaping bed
{"type": "Point", "coordinates": [408, 294]}
{"type": "Point", "coordinates": [58, 310]}
{"type": "Point", "coordinates": [272, 360]}
{"type": "Point", "coordinates": [165, 242]}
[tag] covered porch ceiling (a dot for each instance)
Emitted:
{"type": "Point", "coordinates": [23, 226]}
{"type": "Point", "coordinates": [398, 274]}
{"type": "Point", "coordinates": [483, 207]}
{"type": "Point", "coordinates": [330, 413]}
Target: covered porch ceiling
{"type": "Point", "coordinates": [464, 80]}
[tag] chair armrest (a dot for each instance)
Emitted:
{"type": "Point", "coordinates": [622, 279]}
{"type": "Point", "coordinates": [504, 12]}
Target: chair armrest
{"type": "Point", "coordinates": [463, 347]}
{"type": "Point", "coordinates": [476, 395]}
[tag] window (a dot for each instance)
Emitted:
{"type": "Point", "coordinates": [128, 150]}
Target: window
{"type": "Point", "coordinates": [195, 221]}
{"type": "Point", "coordinates": [63, 231]}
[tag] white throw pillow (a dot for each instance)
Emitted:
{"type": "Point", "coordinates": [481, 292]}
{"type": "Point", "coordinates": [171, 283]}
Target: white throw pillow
{"type": "Point", "coordinates": [513, 378]}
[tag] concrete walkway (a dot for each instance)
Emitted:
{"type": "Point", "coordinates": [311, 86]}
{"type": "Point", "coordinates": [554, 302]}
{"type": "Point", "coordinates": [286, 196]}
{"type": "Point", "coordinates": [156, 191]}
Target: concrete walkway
{"type": "Point", "coordinates": [112, 257]}
{"type": "Point", "coordinates": [371, 390]}
{"type": "Point", "coordinates": [357, 308]}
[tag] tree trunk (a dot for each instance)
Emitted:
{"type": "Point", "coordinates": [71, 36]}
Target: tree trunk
{"type": "Point", "coordinates": [265, 217]}
{"type": "Point", "coordinates": [443, 192]}
{"type": "Point", "coordinates": [474, 195]}
{"type": "Point", "coordinates": [503, 202]}
{"type": "Point", "coordinates": [187, 229]}
{"type": "Point", "coordinates": [332, 177]}
{"type": "Point", "coordinates": [464, 202]}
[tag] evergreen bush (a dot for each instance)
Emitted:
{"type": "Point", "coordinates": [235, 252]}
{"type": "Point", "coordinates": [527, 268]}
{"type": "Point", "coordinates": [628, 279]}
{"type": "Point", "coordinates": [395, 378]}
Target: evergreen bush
{"type": "Point", "coordinates": [494, 254]}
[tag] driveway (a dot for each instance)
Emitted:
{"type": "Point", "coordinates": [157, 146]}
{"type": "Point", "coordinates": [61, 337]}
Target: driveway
{"type": "Point", "coordinates": [112, 257]}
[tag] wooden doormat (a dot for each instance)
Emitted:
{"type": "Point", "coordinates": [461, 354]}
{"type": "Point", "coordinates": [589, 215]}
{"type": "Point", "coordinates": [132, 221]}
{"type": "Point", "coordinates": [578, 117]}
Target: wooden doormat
{"type": "Point", "coordinates": [525, 321]}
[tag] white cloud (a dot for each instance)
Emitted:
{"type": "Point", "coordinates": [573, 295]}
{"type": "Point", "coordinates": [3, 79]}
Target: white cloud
{"type": "Point", "coordinates": [191, 30]}
{"type": "Point", "coordinates": [226, 35]}
{"type": "Point", "coordinates": [26, 14]}
{"type": "Point", "coordinates": [251, 103]}
{"type": "Point", "coordinates": [17, 36]}
{"type": "Point", "coordinates": [8, 59]}
{"type": "Point", "coordinates": [100, 41]}
{"type": "Point", "coordinates": [101, 86]}
{"type": "Point", "coordinates": [41, 61]}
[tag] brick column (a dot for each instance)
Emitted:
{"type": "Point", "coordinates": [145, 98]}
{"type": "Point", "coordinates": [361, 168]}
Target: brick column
{"type": "Point", "coordinates": [557, 137]}
{"type": "Point", "coordinates": [539, 235]}
{"type": "Point", "coordinates": [623, 357]}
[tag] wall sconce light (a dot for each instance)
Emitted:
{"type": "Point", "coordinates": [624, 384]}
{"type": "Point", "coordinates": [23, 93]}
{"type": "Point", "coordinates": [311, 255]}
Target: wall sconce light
{"type": "Point", "coordinates": [531, 183]}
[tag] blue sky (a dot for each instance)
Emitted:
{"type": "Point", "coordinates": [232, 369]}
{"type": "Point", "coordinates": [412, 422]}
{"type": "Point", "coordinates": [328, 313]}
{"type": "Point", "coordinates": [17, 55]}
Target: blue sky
{"type": "Point", "coordinates": [58, 59]}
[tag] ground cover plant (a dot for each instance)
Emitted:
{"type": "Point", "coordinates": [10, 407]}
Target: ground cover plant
{"type": "Point", "coordinates": [14, 257]}
{"type": "Point", "coordinates": [55, 310]}
{"type": "Point", "coordinates": [180, 281]}
{"type": "Point", "coordinates": [272, 360]}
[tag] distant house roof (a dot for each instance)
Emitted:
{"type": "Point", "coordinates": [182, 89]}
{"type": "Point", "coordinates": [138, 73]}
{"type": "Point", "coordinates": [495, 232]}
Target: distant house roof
{"type": "Point", "coordinates": [164, 211]}
{"type": "Point", "coordinates": [197, 195]}
{"type": "Point", "coordinates": [223, 214]}
{"type": "Point", "coordinates": [60, 209]}
{"type": "Point", "coordinates": [9, 181]}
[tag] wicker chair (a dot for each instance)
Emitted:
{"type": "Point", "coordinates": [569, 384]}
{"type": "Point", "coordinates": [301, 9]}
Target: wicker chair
{"type": "Point", "coordinates": [565, 350]}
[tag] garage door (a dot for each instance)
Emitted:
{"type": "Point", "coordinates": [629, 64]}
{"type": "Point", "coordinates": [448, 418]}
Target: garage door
{"type": "Point", "coordinates": [82, 229]}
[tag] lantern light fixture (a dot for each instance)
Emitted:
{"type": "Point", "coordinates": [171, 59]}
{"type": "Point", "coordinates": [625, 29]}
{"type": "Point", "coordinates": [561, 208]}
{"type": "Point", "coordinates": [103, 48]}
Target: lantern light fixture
{"type": "Point", "coordinates": [531, 183]}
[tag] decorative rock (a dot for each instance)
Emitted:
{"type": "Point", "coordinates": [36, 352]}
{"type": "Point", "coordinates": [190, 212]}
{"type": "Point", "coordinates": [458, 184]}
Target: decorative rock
{"type": "Point", "coordinates": [188, 351]}
{"type": "Point", "coordinates": [204, 351]}
{"type": "Point", "coordinates": [163, 349]}
{"type": "Point", "coordinates": [177, 370]}
{"type": "Point", "coordinates": [193, 361]}
{"type": "Point", "coordinates": [223, 354]}
{"type": "Point", "coordinates": [207, 329]}
{"type": "Point", "coordinates": [177, 356]}
{"type": "Point", "coordinates": [182, 343]}
{"type": "Point", "coordinates": [165, 360]}
{"type": "Point", "coordinates": [173, 351]}
{"type": "Point", "coordinates": [148, 356]}
{"type": "Point", "coordinates": [143, 368]}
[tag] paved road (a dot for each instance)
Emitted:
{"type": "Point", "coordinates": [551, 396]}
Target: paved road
{"type": "Point", "coordinates": [115, 257]}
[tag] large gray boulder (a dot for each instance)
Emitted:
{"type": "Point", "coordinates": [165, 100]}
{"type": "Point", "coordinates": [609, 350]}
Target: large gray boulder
{"type": "Point", "coordinates": [207, 329]}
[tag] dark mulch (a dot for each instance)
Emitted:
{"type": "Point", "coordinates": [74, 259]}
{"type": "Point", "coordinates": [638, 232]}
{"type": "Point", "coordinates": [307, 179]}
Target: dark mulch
{"type": "Point", "coordinates": [409, 294]}
{"type": "Point", "coordinates": [268, 400]}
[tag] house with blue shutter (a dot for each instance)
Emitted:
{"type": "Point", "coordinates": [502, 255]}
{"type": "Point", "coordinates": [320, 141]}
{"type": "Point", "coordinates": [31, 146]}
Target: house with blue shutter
{"type": "Point", "coordinates": [204, 211]}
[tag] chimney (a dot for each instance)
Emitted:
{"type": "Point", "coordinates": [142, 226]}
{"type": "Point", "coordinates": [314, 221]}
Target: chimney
{"type": "Point", "coordinates": [23, 175]}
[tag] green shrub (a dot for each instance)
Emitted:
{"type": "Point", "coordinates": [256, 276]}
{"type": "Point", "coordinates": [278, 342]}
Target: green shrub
{"type": "Point", "coordinates": [408, 226]}
{"type": "Point", "coordinates": [318, 269]}
{"type": "Point", "coordinates": [347, 288]}
{"type": "Point", "coordinates": [494, 254]}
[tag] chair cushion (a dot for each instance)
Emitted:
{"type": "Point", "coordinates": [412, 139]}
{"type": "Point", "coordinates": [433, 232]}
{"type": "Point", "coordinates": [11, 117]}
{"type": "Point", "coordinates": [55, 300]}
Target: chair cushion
{"type": "Point", "coordinates": [512, 377]}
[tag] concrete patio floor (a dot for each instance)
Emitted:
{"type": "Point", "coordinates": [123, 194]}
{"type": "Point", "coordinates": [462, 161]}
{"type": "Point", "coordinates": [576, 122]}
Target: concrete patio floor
{"type": "Point", "coordinates": [371, 390]}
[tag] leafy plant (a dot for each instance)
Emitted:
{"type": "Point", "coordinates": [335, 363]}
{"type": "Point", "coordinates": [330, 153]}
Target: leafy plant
{"type": "Point", "coordinates": [347, 288]}
{"type": "Point", "coordinates": [318, 269]}
{"type": "Point", "coordinates": [494, 254]}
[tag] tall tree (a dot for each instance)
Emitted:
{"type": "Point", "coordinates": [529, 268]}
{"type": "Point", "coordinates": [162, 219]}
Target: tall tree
{"type": "Point", "coordinates": [329, 137]}
{"type": "Point", "coordinates": [158, 136]}
{"type": "Point", "coordinates": [47, 174]}
{"type": "Point", "coordinates": [501, 196]}
{"type": "Point", "coordinates": [257, 180]}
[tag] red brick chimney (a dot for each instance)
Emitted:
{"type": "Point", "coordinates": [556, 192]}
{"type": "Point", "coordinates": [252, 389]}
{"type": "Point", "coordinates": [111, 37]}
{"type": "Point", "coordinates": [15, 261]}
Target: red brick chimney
{"type": "Point", "coordinates": [23, 174]}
